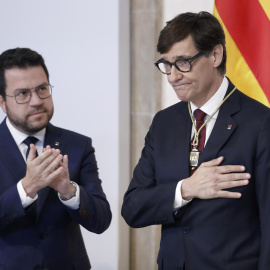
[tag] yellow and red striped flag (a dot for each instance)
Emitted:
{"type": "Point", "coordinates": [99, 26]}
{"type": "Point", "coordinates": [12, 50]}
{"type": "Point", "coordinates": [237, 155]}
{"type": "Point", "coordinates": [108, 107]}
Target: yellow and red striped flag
{"type": "Point", "coordinates": [247, 28]}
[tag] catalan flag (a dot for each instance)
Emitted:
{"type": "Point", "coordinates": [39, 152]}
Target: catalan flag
{"type": "Point", "coordinates": [247, 28]}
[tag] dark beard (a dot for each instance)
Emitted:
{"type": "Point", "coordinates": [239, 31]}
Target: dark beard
{"type": "Point", "coordinates": [25, 126]}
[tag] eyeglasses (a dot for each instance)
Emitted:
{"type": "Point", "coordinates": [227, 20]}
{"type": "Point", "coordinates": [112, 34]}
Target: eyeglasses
{"type": "Point", "coordinates": [24, 95]}
{"type": "Point", "coordinates": [182, 64]}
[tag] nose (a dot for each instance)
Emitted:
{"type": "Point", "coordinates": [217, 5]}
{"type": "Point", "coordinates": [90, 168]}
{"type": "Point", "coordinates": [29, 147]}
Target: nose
{"type": "Point", "coordinates": [35, 99]}
{"type": "Point", "coordinates": [175, 75]}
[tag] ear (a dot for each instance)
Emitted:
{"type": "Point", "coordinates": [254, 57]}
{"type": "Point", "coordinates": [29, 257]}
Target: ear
{"type": "Point", "coordinates": [3, 104]}
{"type": "Point", "coordinates": [218, 55]}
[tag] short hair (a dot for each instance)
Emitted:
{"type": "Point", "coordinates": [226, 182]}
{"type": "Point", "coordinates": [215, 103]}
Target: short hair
{"type": "Point", "coordinates": [21, 58]}
{"type": "Point", "coordinates": [203, 27]}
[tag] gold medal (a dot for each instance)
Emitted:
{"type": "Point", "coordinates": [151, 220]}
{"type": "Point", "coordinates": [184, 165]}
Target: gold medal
{"type": "Point", "coordinates": [194, 158]}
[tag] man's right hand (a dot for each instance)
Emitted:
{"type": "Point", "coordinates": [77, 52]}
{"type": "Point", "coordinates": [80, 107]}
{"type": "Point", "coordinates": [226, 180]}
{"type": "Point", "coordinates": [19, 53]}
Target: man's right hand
{"type": "Point", "coordinates": [41, 170]}
{"type": "Point", "coordinates": [210, 181]}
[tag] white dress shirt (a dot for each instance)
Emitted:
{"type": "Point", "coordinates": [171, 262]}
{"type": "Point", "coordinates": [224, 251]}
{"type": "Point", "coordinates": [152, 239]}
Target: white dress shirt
{"type": "Point", "coordinates": [209, 107]}
{"type": "Point", "coordinates": [19, 137]}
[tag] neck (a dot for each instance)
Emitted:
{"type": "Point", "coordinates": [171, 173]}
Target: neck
{"type": "Point", "coordinates": [214, 86]}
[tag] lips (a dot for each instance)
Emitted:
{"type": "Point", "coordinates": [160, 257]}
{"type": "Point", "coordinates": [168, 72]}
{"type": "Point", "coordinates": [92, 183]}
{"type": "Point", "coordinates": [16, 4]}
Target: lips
{"type": "Point", "coordinates": [179, 86]}
{"type": "Point", "coordinates": [37, 113]}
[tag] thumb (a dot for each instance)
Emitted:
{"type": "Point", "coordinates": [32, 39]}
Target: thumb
{"type": "Point", "coordinates": [32, 152]}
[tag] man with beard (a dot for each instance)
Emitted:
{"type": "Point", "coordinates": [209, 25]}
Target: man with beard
{"type": "Point", "coordinates": [49, 183]}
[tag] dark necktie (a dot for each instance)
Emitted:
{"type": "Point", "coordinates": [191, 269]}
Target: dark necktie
{"type": "Point", "coordinates": [199, 116]}
{"type": "Point", "coordinates": [28, 141]}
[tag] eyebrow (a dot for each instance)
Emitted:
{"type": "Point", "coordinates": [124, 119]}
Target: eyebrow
{"type": "Point", "coordinates": [162, 59]}
{"type": "Point", "coordinates": [176, 58]}
{"type": "Point", "coordinates": [27, 88]}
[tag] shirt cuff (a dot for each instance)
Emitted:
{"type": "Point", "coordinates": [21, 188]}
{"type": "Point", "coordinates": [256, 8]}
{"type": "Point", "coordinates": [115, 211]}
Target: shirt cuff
{"type": "Point", "coordinates": [179, 201]}
{"type": "Point", "coordinates": [74, 202]}
{"type": "Point", "coordinates": [26, 200]}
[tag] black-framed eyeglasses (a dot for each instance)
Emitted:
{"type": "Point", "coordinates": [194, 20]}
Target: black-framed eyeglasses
{"type": "Point", "coordinates": [182, 64]}
{"type": "Point", "coordinates": [24, 95]}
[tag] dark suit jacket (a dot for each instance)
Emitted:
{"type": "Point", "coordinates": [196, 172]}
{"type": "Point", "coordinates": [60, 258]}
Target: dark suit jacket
{"type": "Point", "coordinates": [47, 235]}
{"type": "Point", "coordinates": [216, 234]}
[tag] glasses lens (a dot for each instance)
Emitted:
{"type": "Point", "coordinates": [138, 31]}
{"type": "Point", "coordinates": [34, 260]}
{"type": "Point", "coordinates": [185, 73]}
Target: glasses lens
{"type": "Point", "coordinates": [164, 67]}
{"type": "Point", "coordinates": [183, 65]}
{"type": "Point", "coordinates": [44, 91]}
{"type": "Point", "coordinates": [23, 95]}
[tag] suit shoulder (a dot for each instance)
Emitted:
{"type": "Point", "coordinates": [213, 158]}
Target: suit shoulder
{"type": "Point", "coordinates": [69, 134]}
{"type": "Point", "coordinates": [176, 109]}
{"type": "Point", "coordinates": [171, 116]}
{"type": "Point", "coordinates": [252, 104]}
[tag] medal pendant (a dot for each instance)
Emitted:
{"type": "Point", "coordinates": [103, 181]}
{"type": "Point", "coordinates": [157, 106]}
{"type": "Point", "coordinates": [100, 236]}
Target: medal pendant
{"type": "Point", "coordinates": [194, 157]}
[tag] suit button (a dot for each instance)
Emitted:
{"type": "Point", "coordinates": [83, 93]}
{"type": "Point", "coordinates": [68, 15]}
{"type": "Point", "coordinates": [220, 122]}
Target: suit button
{"type": "Point", "coordinates": [186, 230]}
{"type": "Point", "coordinates": [37, 267]}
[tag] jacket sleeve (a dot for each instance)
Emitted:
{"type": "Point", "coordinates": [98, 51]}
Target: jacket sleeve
{"type": "Point", "coordinates": [11, 208]}
{"type": "Point", "coordinates": [147, 200]}
{"type": "Point", "coordinates": [262, 180]}
{"type": "Point", "coordinates": [94, 212]}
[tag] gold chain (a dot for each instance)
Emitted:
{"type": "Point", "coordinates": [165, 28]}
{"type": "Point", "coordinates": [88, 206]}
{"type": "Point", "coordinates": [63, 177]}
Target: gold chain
{"type": "Point", "coordinates": [196, 135]}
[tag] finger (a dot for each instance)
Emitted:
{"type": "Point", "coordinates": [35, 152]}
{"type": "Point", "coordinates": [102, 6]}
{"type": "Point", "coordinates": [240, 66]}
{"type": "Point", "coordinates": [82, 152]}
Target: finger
{"type": "Point", "coordinates": [54, 164]}
{"type": "Point", "coordinates": [32, 153]}
{"type": "Point", "coordinates": [65, 162]}
{"type": "Point", "coordinates": [226, 169]}
{"type": "Point", "coordinates": [54, 174]}
{"type": "Point", "coordinates": [234, 177]}
{"type": "Point", "coordinates": [46, 148]}
{"type": "Point", "coordinates": [46, 158]}
{"type": "Point", "coordinates": [213, 162]}
{"type": "Point", "coordinates": [232, 184]}
{"type": "Point", "coordinates": [228, 194]}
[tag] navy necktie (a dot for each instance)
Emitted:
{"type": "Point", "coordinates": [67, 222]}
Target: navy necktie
{"type": "Point", "coordinates": [28, 141]}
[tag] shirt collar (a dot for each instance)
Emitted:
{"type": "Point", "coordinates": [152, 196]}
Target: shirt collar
{"type": "Point", "coordinates": [210, 106]}
{"type": "Point", "coordinates": [19, 136]}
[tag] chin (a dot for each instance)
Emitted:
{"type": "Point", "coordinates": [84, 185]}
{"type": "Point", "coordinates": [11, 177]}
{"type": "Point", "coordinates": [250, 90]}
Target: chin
{"type": "Point", "coordinates": [182, 96]}
{"type": "Point", "coordinates": [34, 127]}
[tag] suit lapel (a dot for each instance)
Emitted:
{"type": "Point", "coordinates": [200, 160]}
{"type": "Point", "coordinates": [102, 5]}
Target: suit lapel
{"type": "Point", "coordinates": [186, 138]}
{"type": "Point", "coordinates": [53, 137]}
{"type": "Point", "coordinates": [224, 127]}
{"type": "Point", "coordinates": [181, 139]}
{"type": "Point", "coordinates": [10, 154]}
